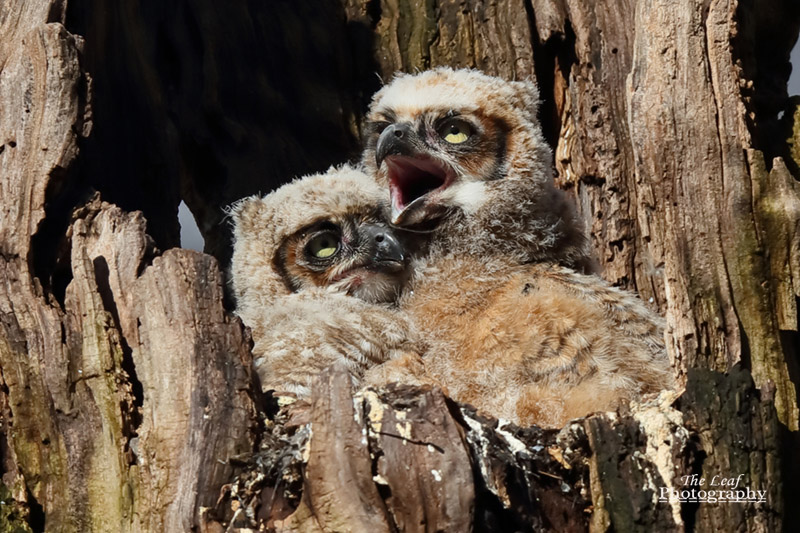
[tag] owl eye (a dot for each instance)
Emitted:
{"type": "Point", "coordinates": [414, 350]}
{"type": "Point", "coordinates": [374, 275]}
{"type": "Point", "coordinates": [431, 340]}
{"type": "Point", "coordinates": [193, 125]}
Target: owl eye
{"type": "Point", "coordinates": [456, 132]}
{"type": "Point", "coordinates": [323, 246]}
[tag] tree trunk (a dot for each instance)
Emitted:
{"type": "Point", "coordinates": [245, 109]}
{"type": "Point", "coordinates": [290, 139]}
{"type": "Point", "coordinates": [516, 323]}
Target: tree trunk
{"type": "Point", "coordinates": [126, 399]}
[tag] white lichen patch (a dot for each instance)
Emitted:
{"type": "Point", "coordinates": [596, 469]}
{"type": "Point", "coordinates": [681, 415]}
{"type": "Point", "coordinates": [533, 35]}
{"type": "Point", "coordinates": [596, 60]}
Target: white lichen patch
{"type": "Point", "coordinates": [436, 475]}
{"type": "Point", "coordinates": [514, 444]}
{"type": "Point", "coordinates": [375, 415]}
{"type": "Point", "coordinates": [307, 446]}
{"type": "Point", "coordinates": [283, 401]}
{"type": "Point", "coordinates": [476, 434]}
{"type": "Point", "coordinates": [357, 409]}
{"type": "Point", "coordinates": [404, 430]}
{"type": "Point", "coordinates": [666, 437]}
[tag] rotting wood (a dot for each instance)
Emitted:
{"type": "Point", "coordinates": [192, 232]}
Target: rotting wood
{"type": "Point", "coordinates": [115, 373]}
{"type": "Point", "coordinates": [610, 471]}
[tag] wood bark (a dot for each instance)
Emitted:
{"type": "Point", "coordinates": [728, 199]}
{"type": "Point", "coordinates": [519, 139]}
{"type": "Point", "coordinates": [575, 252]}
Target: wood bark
{"type": "Point", "coordinates": [442, 467]}
{"type": "Point", "coordinates": [126, 399]}
{"type": "Point", "coordinates": [114, 375]}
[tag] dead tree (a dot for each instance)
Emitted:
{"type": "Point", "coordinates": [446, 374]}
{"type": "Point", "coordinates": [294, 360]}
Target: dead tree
{"type": "Point", "coordinates": [126, 399]}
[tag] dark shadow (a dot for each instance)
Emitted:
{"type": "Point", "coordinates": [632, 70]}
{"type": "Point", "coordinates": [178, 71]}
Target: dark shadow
{"type": "Point", "coordinates": [209, 102]}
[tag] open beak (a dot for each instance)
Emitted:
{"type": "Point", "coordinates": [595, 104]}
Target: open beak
{"type": "Point", "coordinates": [414, 177]}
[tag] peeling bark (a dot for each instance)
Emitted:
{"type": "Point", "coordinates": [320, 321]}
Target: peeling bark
{"type": "Point", "coordinates": [608, 472]}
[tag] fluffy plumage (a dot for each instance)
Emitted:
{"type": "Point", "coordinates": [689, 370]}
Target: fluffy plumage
{"type": "Point", "coordinates": [271, 234]}
{"type": "Point", "coordinates": [306, 332]}
{"type": "Point", "coordinates": [508, 329]}
{"type": "Point", "coordinates": [300, 253]}
{"type": "Point", "coordinates": [504, 326]}
{"type": "Point", "coordinates": [463, 152]}
{"type": "Point", "coordinates": [536, 344]}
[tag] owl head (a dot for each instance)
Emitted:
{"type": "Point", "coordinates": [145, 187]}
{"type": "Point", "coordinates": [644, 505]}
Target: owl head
{"type": "Point", "coordinates": [324, 230]}
{"type": "Point", "coordinates": [438, 138]}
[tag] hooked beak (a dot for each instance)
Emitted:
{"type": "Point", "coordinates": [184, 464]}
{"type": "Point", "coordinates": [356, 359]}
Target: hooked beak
{"type": "Point", "coordinates": [414, 177]}
{"type": "Point", "coordinates": [383, 250]}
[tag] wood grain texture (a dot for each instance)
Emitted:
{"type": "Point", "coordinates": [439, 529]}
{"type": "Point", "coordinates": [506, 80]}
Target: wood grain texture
{"type": "Point", "coordinates": [437, 493]}
{"type": "Point", "coordinates": [39, 117]}
{"type": "Point", "coordinates": [714, 264]}
{"type": "Point", "coordinates": [17, 19]}
{"type": "Point", "coordinates": [338, 459]}
{"type": "Point", "coordinates": [114, 373]}
{"type": "Point", "coordinates": [410, 36]}
{"type": "Point", "coordinates": [191, 361]}
{"type": "Point", "coordinates": [125, 392]}
{"type": "Point", "coordinates": [607, 472]}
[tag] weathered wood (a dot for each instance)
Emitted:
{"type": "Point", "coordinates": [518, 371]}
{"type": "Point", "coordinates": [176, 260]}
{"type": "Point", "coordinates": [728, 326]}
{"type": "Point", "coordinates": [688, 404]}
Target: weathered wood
{"type": "Point", "coordinates": [608, 472]}
{"type": "Point", "coordinates": [38, 133]}
{"type": "Point", "coordinates": [437, 493]}
{"type": "Point", "coordinates": [338, 458]}
{"type": "Point", "coordinates": [221, 102]}
{"type": "Point", "coordinates": [713, 265]}
{"type": "Point", "coordinates": [116, 363]}
{"type": "Point", "coordinates": [491, 36]}
{"type": "Point", "coordinates": [125, 393]}
{"type": "Point", "coordinates": [191, 361]}
{"type": "Point", "coordinates": [17, 19]}
{"type": "Point", "coordinates": [729, 444]}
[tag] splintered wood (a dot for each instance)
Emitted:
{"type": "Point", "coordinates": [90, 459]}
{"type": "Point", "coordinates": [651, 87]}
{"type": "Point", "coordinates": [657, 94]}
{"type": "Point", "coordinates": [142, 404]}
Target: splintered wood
{"type": "Point", "coordinates": [408, 459]}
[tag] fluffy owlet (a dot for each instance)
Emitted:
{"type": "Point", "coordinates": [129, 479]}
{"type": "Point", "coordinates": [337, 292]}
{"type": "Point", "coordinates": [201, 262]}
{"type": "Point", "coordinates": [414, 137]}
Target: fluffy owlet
{"type": "Point", "coordinates": [463, 152]}
{"type": "Point", "coordinates": [313, 262]}
{"type": "Point", "coordinates": [510, 329]}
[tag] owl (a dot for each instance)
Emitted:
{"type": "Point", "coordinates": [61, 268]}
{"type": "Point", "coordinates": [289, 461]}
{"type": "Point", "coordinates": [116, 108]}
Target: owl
{"type": "Point", "coordinates": [462, 154]}
{"type": "Point", "coordinates": [314, 271]}
{"type": "Point", "coordinates": [511, 324]}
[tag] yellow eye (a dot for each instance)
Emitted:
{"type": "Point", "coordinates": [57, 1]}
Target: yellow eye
{"type": "Point", "coordinates": [456, 132]}
{"type": "Point", "coordinates": [323, 246]}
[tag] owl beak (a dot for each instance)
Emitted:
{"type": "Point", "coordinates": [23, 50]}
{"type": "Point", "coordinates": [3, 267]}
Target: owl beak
{"type": "Point", "coordinates": [396, 139]}
{"type": "Point", "coordinates": [412, 174]}
{"type": "Point", "coordinates": [413, 184]}
{"type": "Point", "coordinates": [383, 250]}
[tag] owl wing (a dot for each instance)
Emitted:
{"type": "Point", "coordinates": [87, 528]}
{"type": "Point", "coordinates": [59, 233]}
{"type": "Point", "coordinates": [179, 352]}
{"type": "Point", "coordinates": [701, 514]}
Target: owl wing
{"type": "Point", "coordinates": [304, 333]}
{"type": "Point", "coordinates": [602, 346]}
